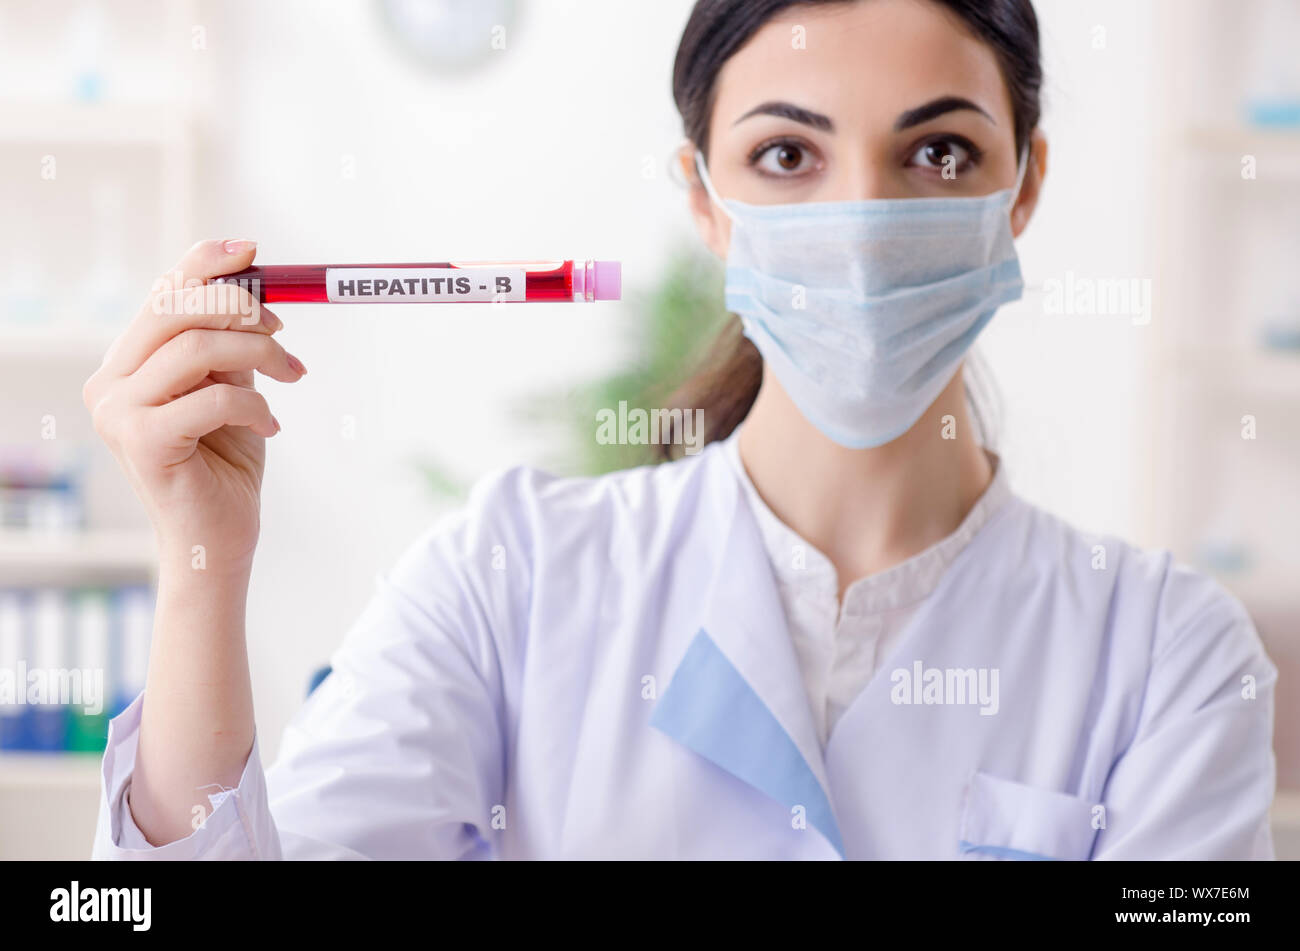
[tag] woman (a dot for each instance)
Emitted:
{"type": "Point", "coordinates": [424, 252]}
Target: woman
{"type": "Point", "coordinates": [835, 632]}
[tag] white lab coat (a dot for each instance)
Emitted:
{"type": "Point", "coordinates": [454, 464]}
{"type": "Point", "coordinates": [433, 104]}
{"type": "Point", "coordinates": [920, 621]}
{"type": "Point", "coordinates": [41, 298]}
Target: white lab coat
{"type": "Point", "coordinates": [576, 668]}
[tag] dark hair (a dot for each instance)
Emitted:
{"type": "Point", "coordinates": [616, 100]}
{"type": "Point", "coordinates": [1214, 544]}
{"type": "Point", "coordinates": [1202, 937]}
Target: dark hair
{"type": "Point", "coordinates": [727, 382]}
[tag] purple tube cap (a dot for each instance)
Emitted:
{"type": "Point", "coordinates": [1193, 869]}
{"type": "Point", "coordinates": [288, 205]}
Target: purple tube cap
{"type": "Point", "coordinates": [608, 281]}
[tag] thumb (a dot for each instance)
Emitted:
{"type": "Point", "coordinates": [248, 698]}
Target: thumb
{"type": "Point", "coordinates": [208, 259]}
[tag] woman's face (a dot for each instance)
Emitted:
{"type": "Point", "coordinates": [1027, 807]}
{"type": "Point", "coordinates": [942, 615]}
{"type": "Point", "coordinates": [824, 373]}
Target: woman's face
{"type": "Point", "coordinates": [871, 99]}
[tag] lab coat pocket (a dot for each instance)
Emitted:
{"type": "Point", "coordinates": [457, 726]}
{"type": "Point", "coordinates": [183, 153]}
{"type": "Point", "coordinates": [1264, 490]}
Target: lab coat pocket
{"type": "Point", "coordinates": [1002, 819]}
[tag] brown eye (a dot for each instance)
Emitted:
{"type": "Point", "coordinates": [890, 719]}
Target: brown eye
{"type": "Point", "coordinates": [937, 152]}
{"type": "Point", "coordinates": [944, 154]}
{"type": "Point", "coordinates": [782, 158]}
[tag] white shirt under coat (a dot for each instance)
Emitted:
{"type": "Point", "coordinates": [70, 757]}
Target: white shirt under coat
{"type": "Point", "coordinates": [840, 647]}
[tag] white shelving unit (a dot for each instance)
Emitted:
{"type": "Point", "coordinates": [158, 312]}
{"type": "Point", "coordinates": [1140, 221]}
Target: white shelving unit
{"type": "Point", "coordinates": [140, 154]}
{"type": "Point", "coordinates": [1228, 239]}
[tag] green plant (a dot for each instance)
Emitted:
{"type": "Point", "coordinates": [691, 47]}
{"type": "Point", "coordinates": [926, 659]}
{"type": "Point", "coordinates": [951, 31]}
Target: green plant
{"type": "Point", "coordinates": [670, 322]}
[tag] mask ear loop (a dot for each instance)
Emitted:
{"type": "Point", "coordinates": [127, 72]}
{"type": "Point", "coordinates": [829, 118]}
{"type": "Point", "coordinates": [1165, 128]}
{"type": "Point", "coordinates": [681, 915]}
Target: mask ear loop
{"type": "Point", "coordinates": [708, 185]}
{"type": "Point", "coordinates": [1020, 176]}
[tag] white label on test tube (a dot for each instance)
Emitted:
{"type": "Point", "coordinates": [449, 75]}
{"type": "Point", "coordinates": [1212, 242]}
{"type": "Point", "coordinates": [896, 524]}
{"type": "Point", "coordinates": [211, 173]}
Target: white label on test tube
{"type": "Point", "coordinates": [49, 641]}
{"type": "Point", "coordinates": [421, 285]}
{"type": "Point", "coordinates": [12, 617]}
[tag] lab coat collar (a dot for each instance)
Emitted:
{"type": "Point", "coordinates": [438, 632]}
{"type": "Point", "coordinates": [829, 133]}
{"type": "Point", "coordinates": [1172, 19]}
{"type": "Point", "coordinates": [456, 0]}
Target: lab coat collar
{"type": "Point", "coordinates": [737, 697]}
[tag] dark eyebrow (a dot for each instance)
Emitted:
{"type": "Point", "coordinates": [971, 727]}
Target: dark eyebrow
{"type": "Point", "coordinates": [913, 117]}
{"type": "Point", "coordinates": [934, 109]}
{"type": "Point", "coordinates": [786, 110]}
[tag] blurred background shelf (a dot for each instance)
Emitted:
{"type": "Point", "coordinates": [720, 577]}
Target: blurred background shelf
{"type": "Point", "coordinates": [1264, 590]}
{"type": "Point", "coordinates": [1236, 372]}
{"type": "Point", "coordinates": [105, 124]}
{"type": "Point", "coordinates": [49, 804]}
{"type": "Point", "coordinates": [1222, 395]}
{"type": "Point", "coordinates": [1241, 139]}
{"type": "Point", "coordinates": [98, 139]}
{"type": "Point", "coordinates": [1285, 816]}
{"type": "Point", "coordinates": [38, 772]}
{"type": "Point", "coordinates": [55, 341]}
{"type": "Point", "coordinates": [75, 558]}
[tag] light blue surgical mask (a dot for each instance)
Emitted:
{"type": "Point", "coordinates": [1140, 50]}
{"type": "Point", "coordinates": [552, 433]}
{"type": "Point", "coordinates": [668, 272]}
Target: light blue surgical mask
{"type": "Point", "coordinates": [864, 309]}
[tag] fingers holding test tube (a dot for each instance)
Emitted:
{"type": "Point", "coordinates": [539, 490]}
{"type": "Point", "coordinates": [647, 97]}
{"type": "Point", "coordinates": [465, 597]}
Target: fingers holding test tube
{"type": "Point", "coordinates": [182, 299]}
{"type": "Point", "coordinates": [175, 402]}
{"type": "Point", "coordinates": [186, 360]}
{"type": "Point", "coordinates": [186, 420]}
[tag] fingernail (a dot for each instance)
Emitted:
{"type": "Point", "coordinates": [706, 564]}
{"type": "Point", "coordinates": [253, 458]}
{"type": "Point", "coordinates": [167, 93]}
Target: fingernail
{"type": "Point", "coordinates": [277, 423]}
{"type": "Point", "coordinates": [295, 364]}
{"type": "Point", "coordinates": [238, 246]}
{"type": "Point", "coordinates": [270, 321]}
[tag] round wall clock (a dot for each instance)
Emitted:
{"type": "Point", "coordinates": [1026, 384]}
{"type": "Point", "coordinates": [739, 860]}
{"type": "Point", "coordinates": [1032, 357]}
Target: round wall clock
{"type": "Point", "coordinates": [450, 36]}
